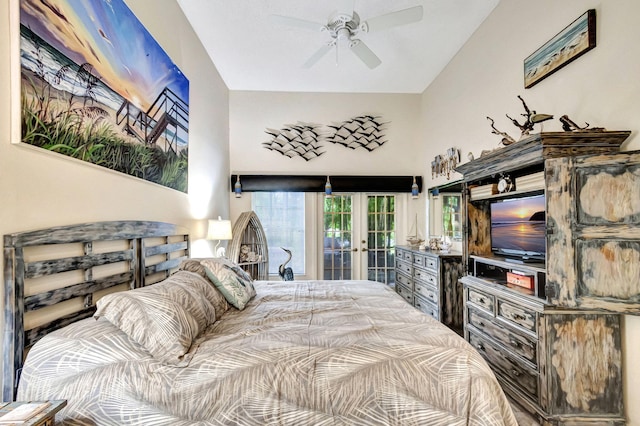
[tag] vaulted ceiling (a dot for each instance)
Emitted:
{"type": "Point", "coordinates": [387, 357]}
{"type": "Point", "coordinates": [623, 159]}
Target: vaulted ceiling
{"type": "Point", "coordinates": [254, 51]}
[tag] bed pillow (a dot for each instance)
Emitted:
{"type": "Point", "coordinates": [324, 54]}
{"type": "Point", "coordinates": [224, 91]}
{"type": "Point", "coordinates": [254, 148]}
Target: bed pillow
{"type": "Point", "coordinates": [218, 299]}
{"type": "Point", "coordinates": [195, 265]}
{"type": "Point", "coordinates": [164, 318]}
{"type": "Point", "coordinates": [238, 291]}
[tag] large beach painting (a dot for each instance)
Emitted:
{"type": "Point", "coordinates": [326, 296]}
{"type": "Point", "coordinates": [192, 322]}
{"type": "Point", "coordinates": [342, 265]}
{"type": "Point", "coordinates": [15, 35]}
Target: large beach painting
{"type": "Point", "coordinates": [569, 44]}
{"type": "Point", "coordinates": [96, 86]}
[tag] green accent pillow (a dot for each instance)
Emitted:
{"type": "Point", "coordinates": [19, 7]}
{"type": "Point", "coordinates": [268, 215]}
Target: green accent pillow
{"type": "Point", "coordinates": [236, 290]}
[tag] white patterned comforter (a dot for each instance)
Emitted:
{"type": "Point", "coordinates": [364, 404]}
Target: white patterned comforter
{"type": "Point", "coordinates": [301, 353]}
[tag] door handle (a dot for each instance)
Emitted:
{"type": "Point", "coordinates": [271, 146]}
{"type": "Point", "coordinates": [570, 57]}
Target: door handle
{"type": "Point", "coordinates": [355, 249]}
{"type": "Point", "coordinates": [365, 249]}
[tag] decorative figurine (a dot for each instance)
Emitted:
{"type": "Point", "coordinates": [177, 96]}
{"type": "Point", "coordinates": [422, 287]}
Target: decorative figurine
{"type": "Point", "coordinates": [570, 126]}
{"type": "Point", "coordinates": [285, 272]}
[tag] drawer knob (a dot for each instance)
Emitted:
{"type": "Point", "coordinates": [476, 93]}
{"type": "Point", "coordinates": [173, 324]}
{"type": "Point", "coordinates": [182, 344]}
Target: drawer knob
{"type": "Point", "coordinates": [515, 343]}
{"type": "Point", "coordinates": [480, 347]}
{"type": "Point", "coordinates": [515, 372]}
{"type": "Point", "coordinates": [481, 300]}
{"type": "Point", "coordinates": [518, 317]}
{"type": "Point", "coordinates": [481, 323]}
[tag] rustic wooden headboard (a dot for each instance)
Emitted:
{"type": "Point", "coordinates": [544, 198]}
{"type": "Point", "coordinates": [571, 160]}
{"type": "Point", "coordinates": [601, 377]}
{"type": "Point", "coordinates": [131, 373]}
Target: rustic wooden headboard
{"type": "Point", "coordinates": [60, 272]}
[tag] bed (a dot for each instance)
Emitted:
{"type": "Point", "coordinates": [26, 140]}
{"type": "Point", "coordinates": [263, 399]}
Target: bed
{"type": "Point", "coordinates": [302, 353]}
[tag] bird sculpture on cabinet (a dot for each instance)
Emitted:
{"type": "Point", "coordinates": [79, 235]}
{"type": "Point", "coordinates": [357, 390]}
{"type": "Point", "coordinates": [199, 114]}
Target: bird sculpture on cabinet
{"type": "Point", "coordinates": [286, 273]}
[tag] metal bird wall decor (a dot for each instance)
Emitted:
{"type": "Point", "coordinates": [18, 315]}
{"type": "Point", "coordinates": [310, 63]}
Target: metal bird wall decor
{"type": "Point", "coordinates": [305, 139]}
{"type": "Point", "coordinates": [286, 273]}
{"type": "Point", "coordinates": [295, 140]}
{"type": "Point", "coordinates": [364, 131]}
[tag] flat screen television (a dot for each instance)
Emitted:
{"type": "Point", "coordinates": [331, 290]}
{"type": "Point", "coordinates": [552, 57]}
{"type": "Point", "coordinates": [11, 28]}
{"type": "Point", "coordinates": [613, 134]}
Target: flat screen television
{"type": "Point", "coordinates": [518, 228]}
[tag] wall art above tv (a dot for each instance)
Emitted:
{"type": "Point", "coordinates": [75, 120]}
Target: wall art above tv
{"type": "Point", "coordinates": [569, 44]}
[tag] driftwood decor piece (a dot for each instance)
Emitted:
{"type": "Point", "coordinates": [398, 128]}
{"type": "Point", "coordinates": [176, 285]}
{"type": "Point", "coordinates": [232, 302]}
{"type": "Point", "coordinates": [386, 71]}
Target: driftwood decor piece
{"type": "Point", "coordinates": [296, 140]}
{"type": "Point", "coordinates": [526, 127]}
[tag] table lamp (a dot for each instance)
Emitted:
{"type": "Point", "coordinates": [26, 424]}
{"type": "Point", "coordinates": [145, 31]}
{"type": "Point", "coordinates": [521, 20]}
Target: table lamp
{"type": "Point", "coordinates": [219, 230]}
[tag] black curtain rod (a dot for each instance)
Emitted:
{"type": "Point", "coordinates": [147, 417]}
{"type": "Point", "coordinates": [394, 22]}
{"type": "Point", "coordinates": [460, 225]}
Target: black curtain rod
{"type": "Point", "coordinates": [316, 183]}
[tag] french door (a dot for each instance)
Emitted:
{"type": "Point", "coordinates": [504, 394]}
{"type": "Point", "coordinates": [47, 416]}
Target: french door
{"type": "Point", "coordinates": [359, 237]}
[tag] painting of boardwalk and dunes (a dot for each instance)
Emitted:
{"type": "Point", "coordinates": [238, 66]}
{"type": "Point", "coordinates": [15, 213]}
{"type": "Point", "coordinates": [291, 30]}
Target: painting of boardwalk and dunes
{"type": "Point", "coordinates": [96, 86]}
{"type": "Point", "coordinates": [570, 43]}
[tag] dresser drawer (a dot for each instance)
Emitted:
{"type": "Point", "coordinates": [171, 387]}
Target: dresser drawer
{"type": "Point", "coordinates": [407, 256]}
{"type": "Point", "coordinates": [431, 263]}
{"type": "Point", "coordinates": [418, 259]}
{"type": "Point", "coordinates": [405, 267]}
{"type": "Point", "coordinates": [426, 307]}
{"type": "Point", "coordinates": [519, 375]}
{"type": "Point", "coordinates": [424, 276]}
{"type": "Point", "coordinates": [405, 293]}
{"type": "Point", "coordinates": [483, 300]}
{"type": "Point", "coordinates": [519, 344]}
{"type": "Point", "coordinates": [404, 280]}
{"type": "Point", "coordinates": [517, 315]}
{"type": "Point", "coordinates": [428, 292]}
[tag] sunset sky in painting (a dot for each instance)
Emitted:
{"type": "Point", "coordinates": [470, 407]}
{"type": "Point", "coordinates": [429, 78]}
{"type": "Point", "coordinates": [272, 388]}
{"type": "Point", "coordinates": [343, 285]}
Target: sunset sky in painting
{"type": "Point", "coordinates": [106, 34]}
{"type": "Point", "coordinates": [516, 210]}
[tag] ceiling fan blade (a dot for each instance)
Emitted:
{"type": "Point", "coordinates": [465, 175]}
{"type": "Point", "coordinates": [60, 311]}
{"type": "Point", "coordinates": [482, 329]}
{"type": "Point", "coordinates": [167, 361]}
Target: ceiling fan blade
{"type": "Point", "coordinates": [364, 53]}
{"type": "Point", "coordinates": [317, 56]}
{"type": "Point", "coordinates": [345, 7]}
{"type": "Point", "coordinates": [295, 22]}
{"type": "Point", "coordinates": [393, 19]}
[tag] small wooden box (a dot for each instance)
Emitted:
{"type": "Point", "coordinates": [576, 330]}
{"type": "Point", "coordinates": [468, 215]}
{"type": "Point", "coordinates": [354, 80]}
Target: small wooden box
{"type": "Point", "coordinates": [525, 281]}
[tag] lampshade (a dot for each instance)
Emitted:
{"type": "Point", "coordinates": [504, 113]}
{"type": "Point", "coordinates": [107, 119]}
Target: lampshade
{"type": "Point", "coordinates": [219, 229]}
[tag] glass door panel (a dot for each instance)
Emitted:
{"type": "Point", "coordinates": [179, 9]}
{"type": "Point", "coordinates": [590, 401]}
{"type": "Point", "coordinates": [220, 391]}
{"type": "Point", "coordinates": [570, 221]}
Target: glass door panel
{"type": "Point", "coordinates": [381, 238]}
{"type": "Point", "coordinates": [359, 237]}
{"type": "Point", "coordinates": [337, 237]}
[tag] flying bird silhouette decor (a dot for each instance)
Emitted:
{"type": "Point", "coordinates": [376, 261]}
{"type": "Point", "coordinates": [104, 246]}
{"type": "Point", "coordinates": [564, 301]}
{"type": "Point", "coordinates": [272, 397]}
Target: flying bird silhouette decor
{"type": "Point", "coordinates": [295, 140]}
{"type": "Point", "coordinates": [305, 139]}
{"type": "Point", "coordinates": [364, 131]}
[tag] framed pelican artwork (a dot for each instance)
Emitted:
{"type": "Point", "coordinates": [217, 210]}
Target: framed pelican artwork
{"type": "Point", "coordinates": [569, 44]}
{"type": "Point", "coordinates": [97, 87]}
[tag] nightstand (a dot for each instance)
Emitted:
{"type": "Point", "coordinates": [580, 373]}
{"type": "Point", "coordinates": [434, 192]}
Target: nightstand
{"type": "Point", "coordinates": [44, 418]}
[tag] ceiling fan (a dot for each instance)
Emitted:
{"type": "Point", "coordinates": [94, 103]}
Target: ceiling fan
{"type": "Point", "coordinates": [343, 27]}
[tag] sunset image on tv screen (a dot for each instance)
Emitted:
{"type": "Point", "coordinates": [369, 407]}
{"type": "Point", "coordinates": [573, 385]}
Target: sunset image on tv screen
{"type": "Point", "coordinates": [519, 225]}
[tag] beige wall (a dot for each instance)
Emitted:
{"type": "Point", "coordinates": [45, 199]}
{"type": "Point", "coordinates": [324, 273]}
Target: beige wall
{"type": "Point", "coordinates": [251, 113]}
{"type": "Point", "coordinates": [40, 189]}
{"type": "Point", "coordinates": [601, 88]}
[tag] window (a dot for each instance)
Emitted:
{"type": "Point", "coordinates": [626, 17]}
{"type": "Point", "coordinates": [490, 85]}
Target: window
{"type": "Point", "coordinates": [282, 215]}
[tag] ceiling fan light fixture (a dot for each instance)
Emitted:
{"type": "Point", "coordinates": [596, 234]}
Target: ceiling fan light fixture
{"type": "Point", "coordinates": [344, 27]}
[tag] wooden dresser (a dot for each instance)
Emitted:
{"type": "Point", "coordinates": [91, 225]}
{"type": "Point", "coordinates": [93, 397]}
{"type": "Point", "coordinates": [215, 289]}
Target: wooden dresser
{"type": "Point", "coordinates": [555, 345]}
{"type": "Point", "coordinates": [429, 281]}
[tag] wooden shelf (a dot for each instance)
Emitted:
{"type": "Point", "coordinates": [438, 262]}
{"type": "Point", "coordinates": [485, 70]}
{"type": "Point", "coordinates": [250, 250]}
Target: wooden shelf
{"type": "Point", "coordinates": [539, 147]}
{"type": "Point", "coordinates": [248, 231]}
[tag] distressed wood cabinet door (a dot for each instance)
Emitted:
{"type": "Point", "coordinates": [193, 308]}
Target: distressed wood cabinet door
{"type": "Point", "coordinates": [593, 222]}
